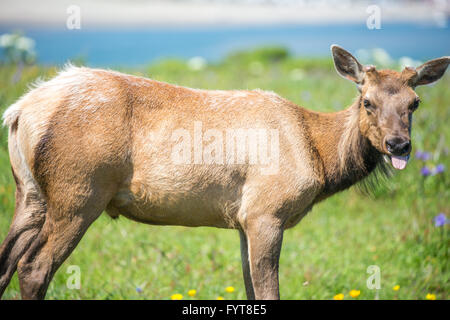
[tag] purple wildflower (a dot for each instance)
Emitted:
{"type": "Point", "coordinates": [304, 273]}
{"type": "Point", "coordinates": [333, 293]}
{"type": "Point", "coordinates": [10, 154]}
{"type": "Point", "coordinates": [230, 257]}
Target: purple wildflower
{"type": "Point", "coordinates": [425, 171]}
{"type": "Point", "coordinates": [138, 290]}
{"type": "Point", "coordinates": [426, 156]}
{"type": "Point", "coordinates": [440, 220]}
{"type": "Point", "coordinates": [440, 168]}
{"type": "Point", "coordinates": [423, 155]}
{"type": "Point", "coordinates": [306, 95]}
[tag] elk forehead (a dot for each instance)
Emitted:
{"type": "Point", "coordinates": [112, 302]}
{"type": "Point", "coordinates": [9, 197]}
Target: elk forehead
{"type": "Point", "coordinates": [388, 90]}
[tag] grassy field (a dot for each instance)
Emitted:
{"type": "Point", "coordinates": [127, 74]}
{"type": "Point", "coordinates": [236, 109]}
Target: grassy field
{"type": "Point", "coordinates": [326, 254]}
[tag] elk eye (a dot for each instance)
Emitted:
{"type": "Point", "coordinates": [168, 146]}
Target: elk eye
{"type": "Point", "coordinates": [414, 105]}
{"type": "Point", "coordinates": [367, 104]}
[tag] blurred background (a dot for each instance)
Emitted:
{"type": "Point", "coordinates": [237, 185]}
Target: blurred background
{"type": "Point", "coordinates": [401, 227]}
{"type": "Point", "coordinates": [116, 32]}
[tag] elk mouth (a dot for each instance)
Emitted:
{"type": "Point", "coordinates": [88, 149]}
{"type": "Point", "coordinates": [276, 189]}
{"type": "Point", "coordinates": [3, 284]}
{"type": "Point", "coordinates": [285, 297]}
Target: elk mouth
{"type": "Point", "coordinates": [398, 162]}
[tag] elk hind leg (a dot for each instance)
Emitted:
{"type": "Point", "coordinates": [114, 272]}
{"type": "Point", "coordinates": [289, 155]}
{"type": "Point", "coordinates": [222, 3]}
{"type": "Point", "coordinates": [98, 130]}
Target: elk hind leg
{"type": "Point", "coordinates": [64, 227]}
{"type": "Point", "coordinates": [56, 241]}
{"type": "Point", "coordinates": [29, 217]}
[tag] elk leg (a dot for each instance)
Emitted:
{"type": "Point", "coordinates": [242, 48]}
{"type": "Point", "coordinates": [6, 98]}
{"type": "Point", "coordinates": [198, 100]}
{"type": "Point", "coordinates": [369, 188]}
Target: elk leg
{"type": "Point", "coordinates": [57, 239]}
{"type": "Point", "coordinates": [246, 266]}
{"type": "Point", "coordinates": [264, 236]}
{"type": "Point", "coordinates": [28, 219]}
{"type": "Point", "coordinates": [12, 249]}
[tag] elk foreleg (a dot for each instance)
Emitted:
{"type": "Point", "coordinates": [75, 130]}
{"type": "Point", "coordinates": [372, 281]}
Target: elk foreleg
{"type": "Point", "coordinates": [264, 237]}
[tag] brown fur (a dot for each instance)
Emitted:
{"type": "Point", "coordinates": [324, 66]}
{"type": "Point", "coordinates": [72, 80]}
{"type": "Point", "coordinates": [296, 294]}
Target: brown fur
{"type": "Point", "coordinates": [93, 140]}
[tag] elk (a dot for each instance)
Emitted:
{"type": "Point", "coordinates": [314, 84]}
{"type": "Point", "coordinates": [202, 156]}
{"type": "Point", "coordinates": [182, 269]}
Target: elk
{"type": "Point", "coordinates": [91, 140]}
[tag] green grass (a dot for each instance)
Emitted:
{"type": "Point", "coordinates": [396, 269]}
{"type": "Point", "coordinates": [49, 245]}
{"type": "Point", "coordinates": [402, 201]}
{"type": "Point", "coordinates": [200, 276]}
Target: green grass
{"type": "Point", "coordinates": [326, 254]}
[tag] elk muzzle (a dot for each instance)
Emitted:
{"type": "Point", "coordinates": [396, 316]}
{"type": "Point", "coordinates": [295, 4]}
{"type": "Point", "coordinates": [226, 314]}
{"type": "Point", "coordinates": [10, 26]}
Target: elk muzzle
{"type": "Point", "coordinates": [399, 148]}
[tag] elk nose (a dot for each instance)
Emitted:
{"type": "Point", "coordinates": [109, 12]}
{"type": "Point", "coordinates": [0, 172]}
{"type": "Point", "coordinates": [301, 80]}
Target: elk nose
{"type": "Point", "coordinates": [398, 146]}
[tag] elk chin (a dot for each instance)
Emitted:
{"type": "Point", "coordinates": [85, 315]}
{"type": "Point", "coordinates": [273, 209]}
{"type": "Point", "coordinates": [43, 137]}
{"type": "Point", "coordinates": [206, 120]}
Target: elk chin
{"type": "Point", "coordinates": [398, 162]}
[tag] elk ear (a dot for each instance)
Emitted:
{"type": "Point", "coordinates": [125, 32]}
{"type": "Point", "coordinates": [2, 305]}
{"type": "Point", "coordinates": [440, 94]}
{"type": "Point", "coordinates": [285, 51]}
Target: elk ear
{"type": "Point", "coordinates": [430, 71]}
{"type": "Point", "coordinates": [347, 65]}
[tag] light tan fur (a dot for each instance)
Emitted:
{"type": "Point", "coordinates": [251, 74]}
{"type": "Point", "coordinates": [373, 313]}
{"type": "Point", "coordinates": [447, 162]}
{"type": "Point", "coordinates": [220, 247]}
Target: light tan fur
{"type": "Point", "coordinates": [92, 140]}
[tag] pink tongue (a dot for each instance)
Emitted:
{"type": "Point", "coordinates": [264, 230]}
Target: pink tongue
{"type": "Point", "coordinates": [399, 163]}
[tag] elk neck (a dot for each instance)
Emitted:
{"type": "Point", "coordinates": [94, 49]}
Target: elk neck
{"type": "Point", "coordinates": [346, 155]}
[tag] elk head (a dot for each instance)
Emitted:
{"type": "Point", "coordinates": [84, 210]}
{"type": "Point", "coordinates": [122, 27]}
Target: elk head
{"type": "Point", "coordinates": [387, 101]}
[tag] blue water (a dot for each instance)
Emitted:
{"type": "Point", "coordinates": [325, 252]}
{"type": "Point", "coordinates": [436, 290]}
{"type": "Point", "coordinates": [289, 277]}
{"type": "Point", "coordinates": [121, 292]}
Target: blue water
{"type": "Point", "coordinates": [128, 47]}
